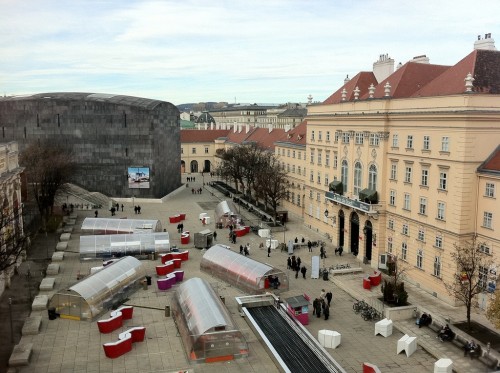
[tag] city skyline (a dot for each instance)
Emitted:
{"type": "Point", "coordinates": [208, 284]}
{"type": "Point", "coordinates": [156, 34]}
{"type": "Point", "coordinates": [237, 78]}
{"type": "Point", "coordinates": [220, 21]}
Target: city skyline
{"type": "Point", "coordinates": [269, 52]}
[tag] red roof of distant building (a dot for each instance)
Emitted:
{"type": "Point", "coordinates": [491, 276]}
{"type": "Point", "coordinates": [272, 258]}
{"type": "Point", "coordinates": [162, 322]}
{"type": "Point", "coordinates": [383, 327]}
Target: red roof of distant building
{"type": "Point", "coordinates": [362, 80]}
{"type": "Point", "coordinates": [266, 139]}
{"type": "Point", "coordinates": [492, 164]}
{"type": "Point", "coordinates": [297, 135]}
{"type": "Point", "coordinates": [202, 135]}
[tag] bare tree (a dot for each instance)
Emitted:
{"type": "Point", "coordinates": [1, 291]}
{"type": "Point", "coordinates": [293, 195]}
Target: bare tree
{"type": "Point", "coordinates": [493, 311]}
{"type": "Point", "coordinates": [470, 278]}
{"type": "Point", "coordinates": [13, 241]}
{"type": "Point", "coordinates": [232, 165]}
{"type": "Point", "coordinates": [48, 167]}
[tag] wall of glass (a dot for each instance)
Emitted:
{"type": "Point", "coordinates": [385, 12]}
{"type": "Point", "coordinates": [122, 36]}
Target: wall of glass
{"type": "Point", "coordinates": [243, 272]}
{"type": "Point", "coordinates": [207, 330]}
{"type": "Point", "coordinates": [119, 226]}
{"type": "Point", "coordinates": [119, 245]}
{"type": "Point", "coordinates": [99, 292]}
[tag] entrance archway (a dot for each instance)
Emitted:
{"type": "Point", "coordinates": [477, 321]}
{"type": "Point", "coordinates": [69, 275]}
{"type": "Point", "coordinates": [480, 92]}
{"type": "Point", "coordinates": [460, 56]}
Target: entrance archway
{"type": "Point", "coordinates": [354, 220]}
{"type": "Point", "coordinates": [341, 219]}
{"type": "Point", "coordinates": [183, 167]}
{"type": "Point", "coordinates": [194, 166]}
{"type": "Point", "coordinates": [368, 231]}
{"type": "Point", "coordinates": [206, 166]}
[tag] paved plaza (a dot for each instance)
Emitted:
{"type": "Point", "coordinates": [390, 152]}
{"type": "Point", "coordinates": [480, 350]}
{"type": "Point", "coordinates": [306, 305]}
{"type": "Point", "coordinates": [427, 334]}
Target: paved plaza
{"type": "Point", "coordinates": [76, 346]}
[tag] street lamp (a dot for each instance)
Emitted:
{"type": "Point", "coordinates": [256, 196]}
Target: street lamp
{"type": "Point", "coordinates": [11, 324]}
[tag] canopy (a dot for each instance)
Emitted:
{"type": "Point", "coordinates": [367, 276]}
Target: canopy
{"type": "Point", "coordinates": [368, 196]}
{"type": "Point", "coordinates": [118, 245]}
{"type": "Point", "coordinates": [336, 187]}
{"type": "Point", "coordinates": [243, 272]}
{"type": "Point", "coordinates": [226, 213]}
{"type": "Point", "coordinates": [117, 226]}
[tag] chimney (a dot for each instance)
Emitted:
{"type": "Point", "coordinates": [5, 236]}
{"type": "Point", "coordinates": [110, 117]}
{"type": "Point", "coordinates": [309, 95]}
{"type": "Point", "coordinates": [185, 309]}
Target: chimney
{"type": "Point", "coordinates": [346, 80]}
{"type": "Point", "coordinates": [420, 59]}
{"type": "Point", "coordinates": [199, 126]}
{"type": "Point", "coordinates": [270, 127]}
{"type": "Point", "coordinates": [487, 43]}
{"type": "Point", "coordinates": [211, 125]}
{"type": "Point", "coordinates": [469, 80]}
{"type": "Point", "coordinates": [383, 67]}
{"type": "Point", "coordinates": [206, 126]}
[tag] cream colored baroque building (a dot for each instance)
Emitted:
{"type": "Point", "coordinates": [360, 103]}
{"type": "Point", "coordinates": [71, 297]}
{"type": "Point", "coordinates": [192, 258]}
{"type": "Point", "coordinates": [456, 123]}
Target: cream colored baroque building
{"type": "Point", "coordinates": [401, 151]}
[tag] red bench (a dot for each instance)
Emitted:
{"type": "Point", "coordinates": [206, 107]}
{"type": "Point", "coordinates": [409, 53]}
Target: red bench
{"type": "Point", "coordinates": [138, 333]}
{"type": "Point", "coordinates": [175, 218]}
{"type": "Point", "coordinates": [184, 255]}
{"type": "Point", "coordinates": [179, 275]}
{"type": "Point", "coordinates": [127, 312]}
{"type": "Point", "coordinates": [177, 263]}
{"type": "Point", "coordinates": [118, 348]}
{"type": "Point", "coordinates": [163, 270]}
{"type": "Point", "coordinates": [185, 237]}
{"type": "Point", "coordinates": [166, 257]}
{"type": "Point", "coordinates": [167, 282]}
{"type": "Point", "coordinates": [375, 278]}
{"type": "Point", "coordinates": [111, 324]}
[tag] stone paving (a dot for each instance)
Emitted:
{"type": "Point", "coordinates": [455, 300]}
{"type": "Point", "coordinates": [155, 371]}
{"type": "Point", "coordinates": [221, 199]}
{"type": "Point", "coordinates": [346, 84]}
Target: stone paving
{"type": "Point", "coordinates": [73, 346]}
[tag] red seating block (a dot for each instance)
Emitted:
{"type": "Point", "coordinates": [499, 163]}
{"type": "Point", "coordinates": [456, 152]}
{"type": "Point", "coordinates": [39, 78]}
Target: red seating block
{"type": "Point", "coordinates": [179, 275]}
{"type": "Point", "coordinates": [182, 216]}
{"type": "Point", "coordinates": [166, 257]}
{"type": "Point", "coordinates": [174, 218]}
{"type": "Point", "coordinates": [138, 333]}
{"type": "Point", "coordinates": [184, 255]}
{"type": "Point", "coordinates": [127, 312]}
{"type": "Point", "coordinates": [111, 324]}
{"type": "Point", "coordinates": [118, 348]}
{"type": "Point", "coordinates": [370, 368]}
{"type": "Point", "coordinates": [375, 278]}
{"type": "Point", "coordinates": [366, 283]}
{"type": "Point", "coordinates": [177, 262]}
{"type": "Point", "coordinates": [185, 237]}
{"type": "Point", "coordinates": [167, 282]}
{"type": "Point", "coordinates": [163, 270]}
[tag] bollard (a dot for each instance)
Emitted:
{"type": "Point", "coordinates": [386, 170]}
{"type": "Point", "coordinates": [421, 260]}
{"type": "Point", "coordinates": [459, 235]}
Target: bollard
{"type": "Point", "coordinates": [167, 311]}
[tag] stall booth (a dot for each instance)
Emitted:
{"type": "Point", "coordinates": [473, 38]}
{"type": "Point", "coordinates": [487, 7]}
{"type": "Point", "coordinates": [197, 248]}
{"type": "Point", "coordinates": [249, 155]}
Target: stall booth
{"type": "Point", "coordinates": [298, 308]}
{"type": "Point", "coordinates": [226, 214]}
{"type": "Point", "coordinates": [142, 246]}
{"type": "Point", "coordinates": [119, 226]}
{"type": "Point", "coordinates": [99, 292]}
{"type": "Point", "coordinates": [204, 239]}
{"type": "Point", "coordinates": [207, 330]}
{"type": "Point", "coordinates": [243, 272]}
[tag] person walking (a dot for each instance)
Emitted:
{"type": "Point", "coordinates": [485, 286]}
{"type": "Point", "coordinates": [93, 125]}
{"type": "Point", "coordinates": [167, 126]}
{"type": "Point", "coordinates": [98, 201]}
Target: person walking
{"type": "Point", "coordinates": [309, 245]}
{"type": "Point", "coordinates": [96, 213]}
{"type": "Point", "coordinates": [122, 207]}
{"type": "Point", "coordinates": [329, 297]}
{"type": "Point", "coordinates": [215, 235]}
{"type": "Point", "coordinates": [326, 311]}
{"type": "Point", "coordinates": [299, 261]}
{"type": "Point", "coordinates": [297, 270]}
{"type": "Point", "coordinates": [241, 249]}
{"type": "Point", "coordinates": [289, 263]}
{"type": "Point", "coordinates": [269, 251]}
{"type": "Point", "coordinates": [303, 270]}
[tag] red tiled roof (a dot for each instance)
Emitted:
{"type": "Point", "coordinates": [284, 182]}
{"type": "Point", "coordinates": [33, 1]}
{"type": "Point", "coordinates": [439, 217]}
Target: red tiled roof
{"type": "Point", "coordinates": [492, 163]}
{"type": "Point", "coordinates": [266, 139]}
{"type": "Point", "coordinates": [201, 135]}
{"type": "Point", "coordinates": [362, 80]}
{"type": "Point", "coordinates": [407, 80]}
{"type": "Point", "coordinates": [238, 137]}
{"type": "Point", "coordinates": [297, 135]}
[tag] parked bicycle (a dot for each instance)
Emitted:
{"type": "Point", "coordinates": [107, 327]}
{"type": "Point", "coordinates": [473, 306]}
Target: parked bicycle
{"type": "Point", "coordinates": [341, 266]}
{"type": "Point", "coordinates": [370, 314]}
{"type": "Point", "coordinates": [359, 306]}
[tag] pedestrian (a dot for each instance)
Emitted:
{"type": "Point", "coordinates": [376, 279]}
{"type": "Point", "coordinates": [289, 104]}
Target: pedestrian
{"type": "Point", "coordinates": [329, 297]}
{"type": "Point", "coordinates": [315, 306]}
{"type": "Point", "coordinates": [234, 237]}
{"type": "Point", "coordinates": [309, 245]}
{"type": "Point", "coordinates": [289, 263]}
{"type": "Point", "coordinates": [138, 209]}
{"type": "Point", "coordinates": [318, 308]}
{"type": "Point", "coordinates": [303, 240]}
{"type": "Point", "coordinates": [322, 252]}
{"type": "Point", "coordinates": [96, 213]}
{"type": "Point", "coordinates": [181, 227]}
{"type": "Point", "coordinates": [299, 261]}
{"type": "Point", "coordinates": [322, 294]}
{"type": "Point", "coordinates": [112, 211]}
{"type": "Point", "coordinates": [241, 249]}
{"type": "Point", "coordinates": [117, 206]}
{"type": "Point", "coordinates": [122, 207]}
{"type": "Point", "coordinates": [303, 270]}
{"type": "Point", "coordinates": [326, 311]}
{"type": "Point", "coordinates": [215, 235]}
{"type": "Point", "coordinates": [269, 251]}
{"type": "Point", "coordinates": [294, 262]}
{"type": "Point", "coordinates": [296, 240]}
{"type": "Point", "coordinates": [135, 209]}
{"type": "Point", "coordinates": [297, 270]}
{"type": "Point", "coordinates": [245, 250]}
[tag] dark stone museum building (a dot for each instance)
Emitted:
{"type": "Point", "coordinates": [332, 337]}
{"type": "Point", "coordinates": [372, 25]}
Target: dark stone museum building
{"type": "Point", "coordinates": [123, 146]}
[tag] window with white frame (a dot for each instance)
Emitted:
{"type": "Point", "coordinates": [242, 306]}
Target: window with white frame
{"type": "Point", "coordinates": [193, 151]}
{"type": "Point", "coordinates": [487, 219]}
{"type": "Point", "coordinates": [443, 179]}
{"type": "Point", "coordinates": [427, 143]}
{"type": "Point", "coordinates": [394, 170]}
{"type": "Point", "coordinates": [335, 160]}
{"type": "Point", "coordinates": [312, 177]}
{"type": "Point", "coordinates": [439, 241]}
{"type": "Point", "coordinates": [359, 138]}
{"type": "Point", "coordinates": [312, 135]}
{"type": "Point", "coordinates": [299, 170]}
{"type": "Point", "coordinates": [409, 142]}
{"type": "Point", "coordinates": [408, 173]}
{"type": "Point", "coordinates": [320, 156]}
{"type": "Point", "coordinates": [392, 197]}
{"type": "Point", "coordinates": [344, 175]}
{"type": "Point", "coordinates": [327, 159]}
{"type": "Point", "coordinates": [389, 245]}
{"type": "Point", "coordinates": [422, 206]}
{"type": "Point", "coordinates": [372, 177]}
{"type": "Point", "coordinates": [390, 224]}
{"type": "Point", "coordinates": [311, 194]}
{"type": "Point", "coordinates": [407, 202]}
{"type": "Point", "coordinates": [206, 149]}
{"type": "Point", "coordinates": [483, 277]}
{"type": "Point", "coordinates": [288, 153]}
{"type": "Point", "coordinates": [424, 180]}
{"type": "Point", "coordinates": [404, 250]}
{"type": "Point", "coordinates": [420, 258]}
{"type": "Point", "coordinates": [318, 197]}
{"type": "Point", "coordinates": [293, 197]}
{"type": "Point", "coordinates": [395, 140]}
{"type": "Point", "coordinates": [489, 190]}
{"type": "Point", "coordinates": [421, 234]}
{"type": "Point", "coordinates": [319, 178]}
{"type": "Point", "coordinates": [484, 248]}
{"type": "Point", "coordinates": [327, 135]}
{"type": "Point", "coordinates": [357, 178]}
{"type": "Point", "coordinates": [298, 199]}
{"type": "Point", "coordinates": [182, 150]}
{"type": "Point", "coordinates": [320, 136]}
{"type": "Point", "coordinates": [293, 168]}
{"type": "Point", "coordinates": [311, 158]}
{"type": "Point", "coordinates": [326, 179]}
{"type": "Point", "coordinates": [300, 155]}
{"type": "Point", "coordinates": [345, 137]}
{"type": "Point", "coordinates": [287, 167]}
{"type": "Point", "coordinates": [336, 136]}
{"type": "Point", "coordinates": [374, 139]}
{"type": "Point", "coordinates": [405, 229]}
{"type": "Point", "coordinates": [437, 266]}
{"type": "Point", "coordinates": [445, 144]}
{"type": "Point", "coordinates": [293, 154]}
{"type": "Point", "coordinates": [441, 211]}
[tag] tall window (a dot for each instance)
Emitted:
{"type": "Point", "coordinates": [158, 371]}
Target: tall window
{"type": "Point", "coordinates": [298, 199]}
{"type": "Point", "coordinates": [409, 142]}
{"type": "Point", "coordinates": [327, 159]}
{"type": "Point", "coordinates": [389, 245]}
{"type": "Point", "coordinates": [345, 137]}
{"type": "Point", "coordinates": [425, 177]}
{"type": "Point", "coordinates": [319, 157]}
{"type": "Point", "coordinates": [405, 229]}
{"type": "Point", "coordinates": [441, 211]}
{"type": "Point", "coordinates": [443, 179]}
{"type": "Point", "coordinates": [300, 155]}
{"type": "Point", "coordinates": [390, 224]}
{"type": "Point", "coordinates": [421, 234]}
{"type": "Point", "coordinates": [320, 136]}
{"type": "Point", "coordinates": [420, 258]}
{"type": "Point", "coordinates": [394, 171]}
{"type": "Point", "coordinates": [335, 160]}
{"type": "Point", "coordinates": [408, 172]}
{"type": "Point", "coordinates": [206, 149]}
{"type": "Point", "coordinates": [372, 177]}
{"type": "Point", "coordinates": [293, 154]}
{"type": "Point", "coordinates": [359, 138]}
{"type": "Point", "coordinates": [374, 139]}
{"type": "Point", "coordinates": [487, 219]}
{"type": "Point", "coordinates": [311, 158]}
{"type": "Point", "coordinates": [344, 175]}
{"type": "Point", "coordinates": [445, 144]}
{"type": "Point", "coordinates": [427, 142]}
{"type": "Point", "coordinates": [357, 178]}
{"type": "Point", "coordinates": [336, 136]}
{"type": "Point", "coordinates": [299, 170]}
{"type": "Point", "coordinates": [483, 277]}
{"type": "Point", "coordinates": [312, 135]}
{"type": "Point", "coordinates": [439, 241]}
{"type": "Point", "coordinates": [392, 197]}
{"type": "Point", "coordinates": [395, 140]}
{"type": "Point", "coordinates": [484, 248]}
{"type": "Point", "coordinates": [288, 153]}
{"type": "Point", "coordinates": [437, 266]}
{"type": "Point", "coordinates": [407, 202]}
{"type": "Point", "coordinates": [404, 250]}
{"type": "Point", "coordinates": [489, 190]}
{"type": "Point", "coordinates": [193, 151]}
{"type": "Point", "coordinates": [327, 135]}
{"type": "Point", "coordinates": [327, 179]}
{"type": "Point", "coordinates": [422, 208]}
{"type": "Point", "coordinates": [312, 177]}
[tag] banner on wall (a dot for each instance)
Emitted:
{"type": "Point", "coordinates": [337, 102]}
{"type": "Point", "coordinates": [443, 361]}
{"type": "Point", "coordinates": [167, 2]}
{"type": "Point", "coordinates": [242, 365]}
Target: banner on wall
{"type": "Point", "coordinates": [138, 177]}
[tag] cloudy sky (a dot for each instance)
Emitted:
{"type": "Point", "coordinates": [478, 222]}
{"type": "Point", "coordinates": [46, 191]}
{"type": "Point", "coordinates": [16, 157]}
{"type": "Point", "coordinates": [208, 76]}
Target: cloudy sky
{"type": "Point", "coordinates": [270, 51]}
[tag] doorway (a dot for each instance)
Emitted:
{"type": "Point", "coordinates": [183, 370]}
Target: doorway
{"type": "Point", "coordinates": [341, 228]}
{"type": "Point", "coordinates": [354, 220]}
{"type": "Point", "coordinates": [368, 231]}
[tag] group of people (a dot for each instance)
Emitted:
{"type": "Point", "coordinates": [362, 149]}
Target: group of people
{"type": "Point", "coordinates": [424, 320]}
{"type": "Point", "coordinates": [295, 264]}
{"type": "Point", "coordinates": [322, 304]}
{"type": "Point", "coordinates": [191, 178]}
{"type": "Point", "coordinates": [445, 334]}
{"type": "Point", "coordinates": [245, 250]}
{"type": "Point", "coordinates": [339, 250]}
{"type": "Point", "coordinates": [274, 281]}
{"type": "Point", "coordinates": [180, 228]}
{"type": "Point", "coordinates": [137, 209]}
{"type": "Point", "coordinates": [196, 191]}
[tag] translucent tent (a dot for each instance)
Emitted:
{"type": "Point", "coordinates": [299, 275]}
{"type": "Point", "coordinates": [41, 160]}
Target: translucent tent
{"type": "Point", "coordinates": [119, 226]}
{"type": "Point", "coordinates": [118, 245]}
{"type": "Point", "coordinates": [207, 330]}
{"type": "Point", "coordinates": [243, 272]}
{"type": "Point", "coordinates": [226, 213]}
{"type": "Point", "coordinates": [101, 291]}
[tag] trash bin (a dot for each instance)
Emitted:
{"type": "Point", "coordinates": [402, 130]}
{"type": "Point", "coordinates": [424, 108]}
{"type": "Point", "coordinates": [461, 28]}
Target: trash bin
{"type": "Point", "coordinates": [167, 311]}
{"type": "Point", "coordinates": [52, 313]}
{"type": "Point", "coordinates": [325, 275]}
{"type": "Point", "coordinates": [148, 280]}
{"type": "Point", "coordinates": [144, 284]}
{"type": "Point", "coordinates": [223, 299]}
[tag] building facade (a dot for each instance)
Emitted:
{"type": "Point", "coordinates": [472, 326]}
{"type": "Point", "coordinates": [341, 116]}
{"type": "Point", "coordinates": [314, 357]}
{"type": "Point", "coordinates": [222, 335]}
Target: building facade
{"type": "Point", "coordinates": [108, 134]}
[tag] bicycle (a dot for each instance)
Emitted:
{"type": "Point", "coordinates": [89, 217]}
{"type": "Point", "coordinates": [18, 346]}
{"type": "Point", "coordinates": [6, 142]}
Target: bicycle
{"type": "Point", "coordinates": [370, 314]}
{"type": "Point", "coordinates": [359, 306]}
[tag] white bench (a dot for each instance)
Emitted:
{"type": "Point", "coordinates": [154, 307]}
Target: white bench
{"type": "Point", "coordinates": [329, 338]}
{"type": "Point", "coordinates": [32, 325]}
{"type": "Point", "coordinates": [345, 270]}
{"type": "Point", "coordinates": [65, 237]}
{"type": "Point", "coordinates": [40, 303]}
{"type": "Point", "coordinates": [61, 246]}
{"type": "Point", "coordinates": [47, 284]}
{"type": "Point", "coordinates": [407, 344]}
{"type": "Point", "coordinates": [53, 269]}
{"type": "Point", "coordinates": [443, 366]}
{"type": "Point", "coordinates": [58, 256]}
{"type": "Point", "coordinates": [383, 327]}
{"type": "Point", "coordinates": [21, 355]}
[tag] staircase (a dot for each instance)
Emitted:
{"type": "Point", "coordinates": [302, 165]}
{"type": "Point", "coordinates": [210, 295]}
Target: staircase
{"type": "Point", "coordinates": [82, 198]}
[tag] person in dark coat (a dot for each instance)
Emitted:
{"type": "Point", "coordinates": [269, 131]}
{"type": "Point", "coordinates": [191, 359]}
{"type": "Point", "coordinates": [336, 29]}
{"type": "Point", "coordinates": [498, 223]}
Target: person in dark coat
{"type": "Point", "coordinates": [294, 263]}
{"type": "Point", "coordinates": [269, 251]}
{"type": "Point", "coordinates": [329, 297]}
{"type": "Point", "coordinates": [289, 263]}
{"type": "Point", "coordinates": [215, 236]}
{"type": "Point", "coordinates": [299, 261]}
{"type": "Point", "coordinates": [241, 249]}
{"type": "Point", "coordinates": [96, 213]}
{"type": "Point", "coordinates": [318, 308]}
{"type": "Point", "coordinates": [326, 311]}
{"type": "Point", "coordinates": [309, 245]}
{"type": "Point", "coordinates": [303, 270]}
{"type": "Point", "coordinates": [297, 270]}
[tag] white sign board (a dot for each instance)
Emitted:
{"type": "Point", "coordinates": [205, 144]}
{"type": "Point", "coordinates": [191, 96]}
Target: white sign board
{"type": "Point", "coordinates": [315, 267]}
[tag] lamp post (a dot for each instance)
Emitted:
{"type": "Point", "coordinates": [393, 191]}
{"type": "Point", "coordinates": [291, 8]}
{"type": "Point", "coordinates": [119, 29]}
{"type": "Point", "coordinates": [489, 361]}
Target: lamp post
{"type": "Point", "coordinates": [28, 276]}
{"type": "Point", "coordinates": [11, 323]}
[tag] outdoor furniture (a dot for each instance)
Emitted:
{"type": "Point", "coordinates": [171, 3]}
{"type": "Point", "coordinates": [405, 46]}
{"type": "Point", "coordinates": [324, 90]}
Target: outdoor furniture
{"type": "Point", "coordinates": [443, 366]}
{"type": "Point", "coordinates": [40, 303]}
{"type": "Point", "coordinates": [383, 327]}
{"type": "Point", "coordinates": [185, 237]}
{"type": "Point", "coordinates": [167, 282]}
{"type": "Point", "coordinates": [182, 216]}
{"type": "Point", "coordinates": [375, 278]}
{"type": "Point", "coordinates": [47, 284]}
{"type": "Point", "coordinates": [184, 255]}
{"type": "Point", "coordinates": [127, 312]}
{"type": "Point", "coordinates": [53, 269]}
{"type": "Point", "coordinates": [329, 338]}
{"type": "Point", "coordinates": [163, 270]}
{"type": "Point", "coordinates": [109, 325]}
{"type": "Point", "coordinates": [177, 263]}
{"type": "Point", "coordinates": [370, 368]}
{"type": "Point", "coordinates": [120, 347]}
{"type": "Point", "coordinates": [58, 256]}
{"type": "Point", "coordinates": [407, 344]}
{"type": "Point", "coordinates": [32, 325]}
{"type": "Point", "coordinates": [138, 333]}
{"type": "Point", "coordinates": [174, 218]}
{"type": "Point", "coordinates": [179, 275]}
{"type": "Point", "coordinates": [21, 355]}
{"type": "Point", "coordinates": [366, 283]}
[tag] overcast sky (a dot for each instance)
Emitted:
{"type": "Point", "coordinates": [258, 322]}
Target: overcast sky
{"type": "Point", "coordinates": [271, 51]}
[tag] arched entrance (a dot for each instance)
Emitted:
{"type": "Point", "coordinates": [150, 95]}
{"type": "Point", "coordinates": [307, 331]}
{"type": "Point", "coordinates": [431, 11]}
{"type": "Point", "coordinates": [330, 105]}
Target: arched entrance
{"type": "Point", "coordinates": [206, 166]}
{"type": "Point", "coordinates": [354, 220]}
{"type": "Point", "coordinates": [368, 231]}
{"type": "Point", "coordinates": [341, 219]}
{"type": "Point", "coordinates": [194, 166]}
{"type": "Point", "coordinates": [183, 167]}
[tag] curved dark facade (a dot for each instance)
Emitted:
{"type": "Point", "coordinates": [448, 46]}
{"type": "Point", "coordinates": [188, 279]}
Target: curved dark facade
{"type": "Point", "coordinates": [108, 134]}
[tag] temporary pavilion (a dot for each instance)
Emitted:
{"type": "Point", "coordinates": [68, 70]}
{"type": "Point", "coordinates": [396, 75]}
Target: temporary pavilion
{"type": "Point", "coordinates": [226, 214]}
{"type": "Point", "coordinates": [207, 330]}
{"type": "Point", "coordinates": [119, 245]}
{"type": "Point", "coordinates": [99, 292]}
{"type": "Point", "coordinates": [119, 226]}
{"type": "Point", "coordinates": [243, 272]}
